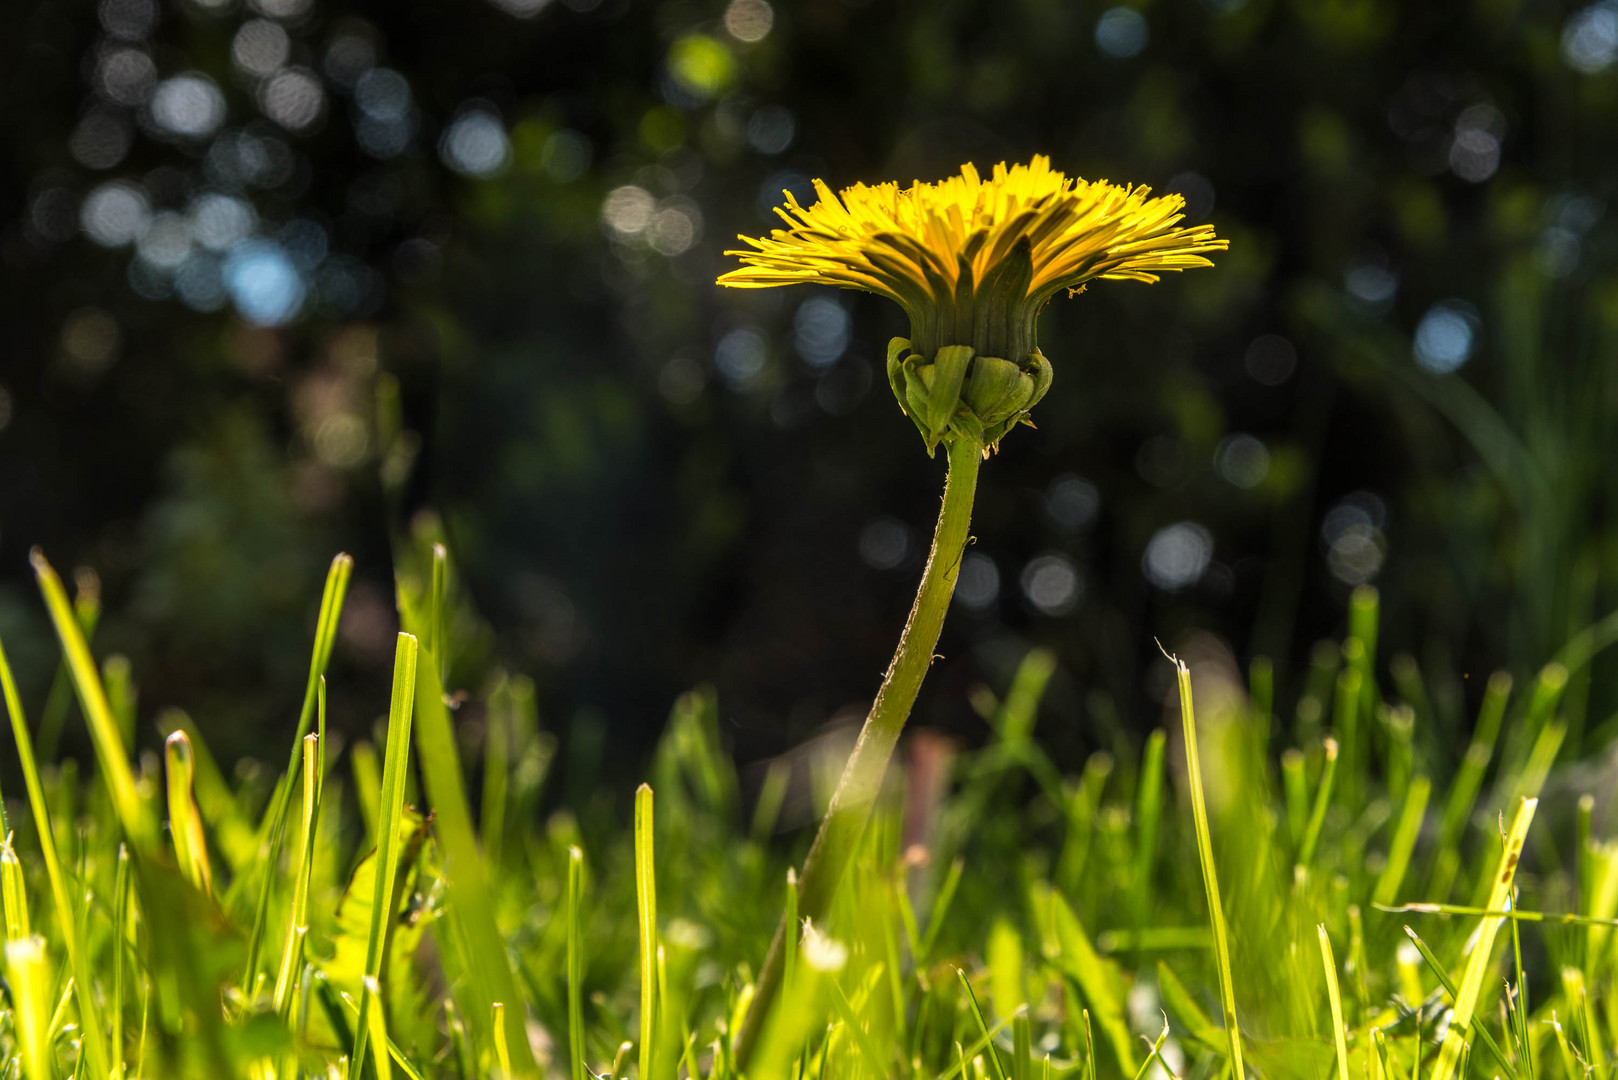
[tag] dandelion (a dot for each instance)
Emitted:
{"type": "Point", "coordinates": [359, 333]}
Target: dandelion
{"type": "Point", "coordinates": [972, 262]}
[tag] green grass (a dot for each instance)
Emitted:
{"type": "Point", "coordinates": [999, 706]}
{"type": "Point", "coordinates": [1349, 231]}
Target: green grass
{"type": "Point", "coordinates": [1331, 893]}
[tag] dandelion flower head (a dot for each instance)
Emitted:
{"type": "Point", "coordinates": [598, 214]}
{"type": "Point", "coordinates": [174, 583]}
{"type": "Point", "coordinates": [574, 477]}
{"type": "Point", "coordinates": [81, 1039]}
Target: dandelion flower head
{"type": "Point", "coordinates": [972, 261]}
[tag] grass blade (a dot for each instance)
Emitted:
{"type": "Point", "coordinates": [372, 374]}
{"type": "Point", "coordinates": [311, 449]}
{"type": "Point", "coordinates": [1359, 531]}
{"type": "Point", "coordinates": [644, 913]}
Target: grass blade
{"type": "Point", "coordinates": [298, 921]}
{"type": "Point", "coordinates": [471, 903]}
{"type": "Point", "coordinates": [790, 960]}
{"type": "Point", "coordinates": [497, 740]}
{"type": "Point", "coordinates": [390, 816]}
{"type": "Point", "coordinates": [502, 1049]}
{"type": "Point", "coordinates": [28, 979]}
{"type": "Point", "coordinates": [1210, 875]}
{"type": "Point", "coordinates": [1148, 812]}
{"type": "Point", "coordinates": [646, 910]}
{"type": "Point", "coordinates": [575, 962]}
{"type": "Point", "coordinates": [1444, 980]}
{"type": "Point", "coordinates": [111, 755]}
{"type": "Point", "coordinates": [1022, 1042]}
{"type": "Point", "coordinates": [1519, 1000]}
{"type": "Point", "coordinates": [1317, 816]}
{"type": "Point", "coordinates": [1080, 962]}
{"type": "Point", "coordinates": [1153, 1055]}
{"type": "Point", "coordinates": [1403, 842]}
{"type": "Point", "coordinates": [13, 892]}
{"type": "Point", "coordinates": [87, 610]}
{"type": "Point", "coordinates": [1339, 1034]}
{"type": "Point", "coordinates": [94, 1045]}
{"type": "Point", "coordinates": [185, 822]}
{"type": "Point", "coordinates": [1477, 966]}
{"type": "Point", "coordinates": [996, 1068]}
{"type": "Point", "coordinates": [940, 908]}
{"type": "Point", "coordinates": [862, 1039]}
{"type": "Point", "coordinates": [273, 828]}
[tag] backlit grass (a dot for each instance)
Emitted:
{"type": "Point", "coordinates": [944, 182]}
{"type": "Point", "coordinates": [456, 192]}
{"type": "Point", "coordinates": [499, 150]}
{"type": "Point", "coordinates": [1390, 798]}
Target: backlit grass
{"type": "Point", "coordinates": [1338, 890]}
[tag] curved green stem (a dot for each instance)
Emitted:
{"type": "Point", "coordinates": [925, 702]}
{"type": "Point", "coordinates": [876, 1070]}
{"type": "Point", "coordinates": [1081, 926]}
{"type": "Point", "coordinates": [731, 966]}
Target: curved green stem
{"type": "Point", "coordinates": [851, 803]}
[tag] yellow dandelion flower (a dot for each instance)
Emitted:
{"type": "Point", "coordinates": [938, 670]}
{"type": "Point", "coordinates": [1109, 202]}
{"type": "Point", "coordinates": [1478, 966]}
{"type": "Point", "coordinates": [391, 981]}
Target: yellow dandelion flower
{"type": "Point", "coordinates": [970, 260]}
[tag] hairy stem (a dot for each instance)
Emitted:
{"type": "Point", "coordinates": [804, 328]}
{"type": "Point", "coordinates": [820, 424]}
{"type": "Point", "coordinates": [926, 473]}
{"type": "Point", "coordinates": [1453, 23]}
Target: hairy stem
{"type": "Point", "coordinates": [851, 803]}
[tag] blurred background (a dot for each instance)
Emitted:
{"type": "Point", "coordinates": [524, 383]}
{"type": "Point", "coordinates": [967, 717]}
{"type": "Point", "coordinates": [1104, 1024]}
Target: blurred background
{"type": "Point", "coordinates": [288, 277]}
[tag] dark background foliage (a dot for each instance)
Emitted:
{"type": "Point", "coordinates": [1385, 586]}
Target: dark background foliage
{"type": "Point", "coordinates": [284, 277]}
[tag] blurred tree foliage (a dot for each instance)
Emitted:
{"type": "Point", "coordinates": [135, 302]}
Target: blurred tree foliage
{"type": "Point", "coordinates": [233, 229]}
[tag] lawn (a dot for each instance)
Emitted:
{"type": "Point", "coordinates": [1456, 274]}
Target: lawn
{"type": "Point", "coordinates": [1313, 884]}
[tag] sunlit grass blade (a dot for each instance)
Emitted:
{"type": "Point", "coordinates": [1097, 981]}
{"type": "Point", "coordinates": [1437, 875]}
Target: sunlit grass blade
{"type": "Point", "coordinates": [968, 1052]}
{"type": "Point", "coordinates": [862, 1040]}
{"type": "Point", "coordinates": [272, 831]}
{"type": "Point", "coordinates": [94, 1045]}
{"type": "Point", "coordinates": [1527, 781]}
{"type": "Point", "coordinates": [298, 919]}
{"type": "Point", "coordinates": [771, 794]}
{"type": "Point", "coordinates": [111, 755]}
{"type": "Point", "coordinates": [1449, 986]}
{"type": "Point", "coordinates": [185, 822]}
{"type": "Point", "coordinates": [87, 610]}
{"type": "Point", "coordinates": [466, 871]}
{"type": "Point", "coordinates": [375, 1026]}
{"type": "Point", "coordinates": [1347, 722]}
{"type": "Point", "coordinates": [497, 740]}
{"type": "Point", "coordinates": [1518, 1000]}
{"type": "Point", "coordinates": [1478, 964]}
{"type": "Point", "coordinates": [1022, 1046]}
{"type": "Point", "coordinates": [1210, 876]}
{"type": "Point", "coordinates": [940, 910]}
{"type": "Point", "coordinates": [1403, 843]}
{"type": "Point", "coordinates": [1581, 1011]}
{"type": "Point", "coordinates": [436, 641]}
{"type": "Point", "coordinates": [1384, 1067]}
{"type": "Point", "coordinates": [790, 921]}
{"type": "Point", "coordinates": [1570, 1063]}
{"type": "Point", "coordinates": [13, 893]}
{"type": "Point", "coordinates": [1295, 788]}
{"type": "Point", "coordinates": [1154, 1055]}
{"type": "Point", "coordinates": [27, 975]}
{"type": "Point", "coordinates": [996, 1068]}
{"type": "Point", "coordinates": [502, 1049]}
{"type": "Point", "coordinates": [1317, 816]}
{"type": "Point", "coordinates": [390, 815]}
{"type": "Point", "coordinates": [367, 773]}
{"type": "Point", "coordinates": [1566, 918]}
{"type": "Point", "coordinates": [1079, 961]}
{"type": "Point", "coordinates": [1003, 956]}
{"type": "Point", "coordinates": [1148, 812]}
{"type": "Point", "coordinates": [646, 912]}
{"type": "Point", "coordinates": [1192, 1019]}
{"type": "Point", "coordinates": [575, 963]}
{"type": "Point", "coordinates": [122, 890]}
{"type": "Point", "coordinates": [1469, 778]}
{"type": "Point", "coordinates": [1335, 996]}
{"type": "Point", "coordinates": [118, 680]}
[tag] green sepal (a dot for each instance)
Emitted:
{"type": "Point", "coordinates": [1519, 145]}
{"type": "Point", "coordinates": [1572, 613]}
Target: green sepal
{"type": "Point", "coordinates": [1042, 373]}
{"type": "Point", "coordinates": [948, 375]}
{"type": "Point", "coordinates": [965, 425]}
{"type": "Point", "coordinates": [996, 389]}
{"type": "Point", "coordinates": [897, 348]}
{"type": "Point", "coordinates": [993, 435]}
{"type": "Point", "coordinates": [918, 379]}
